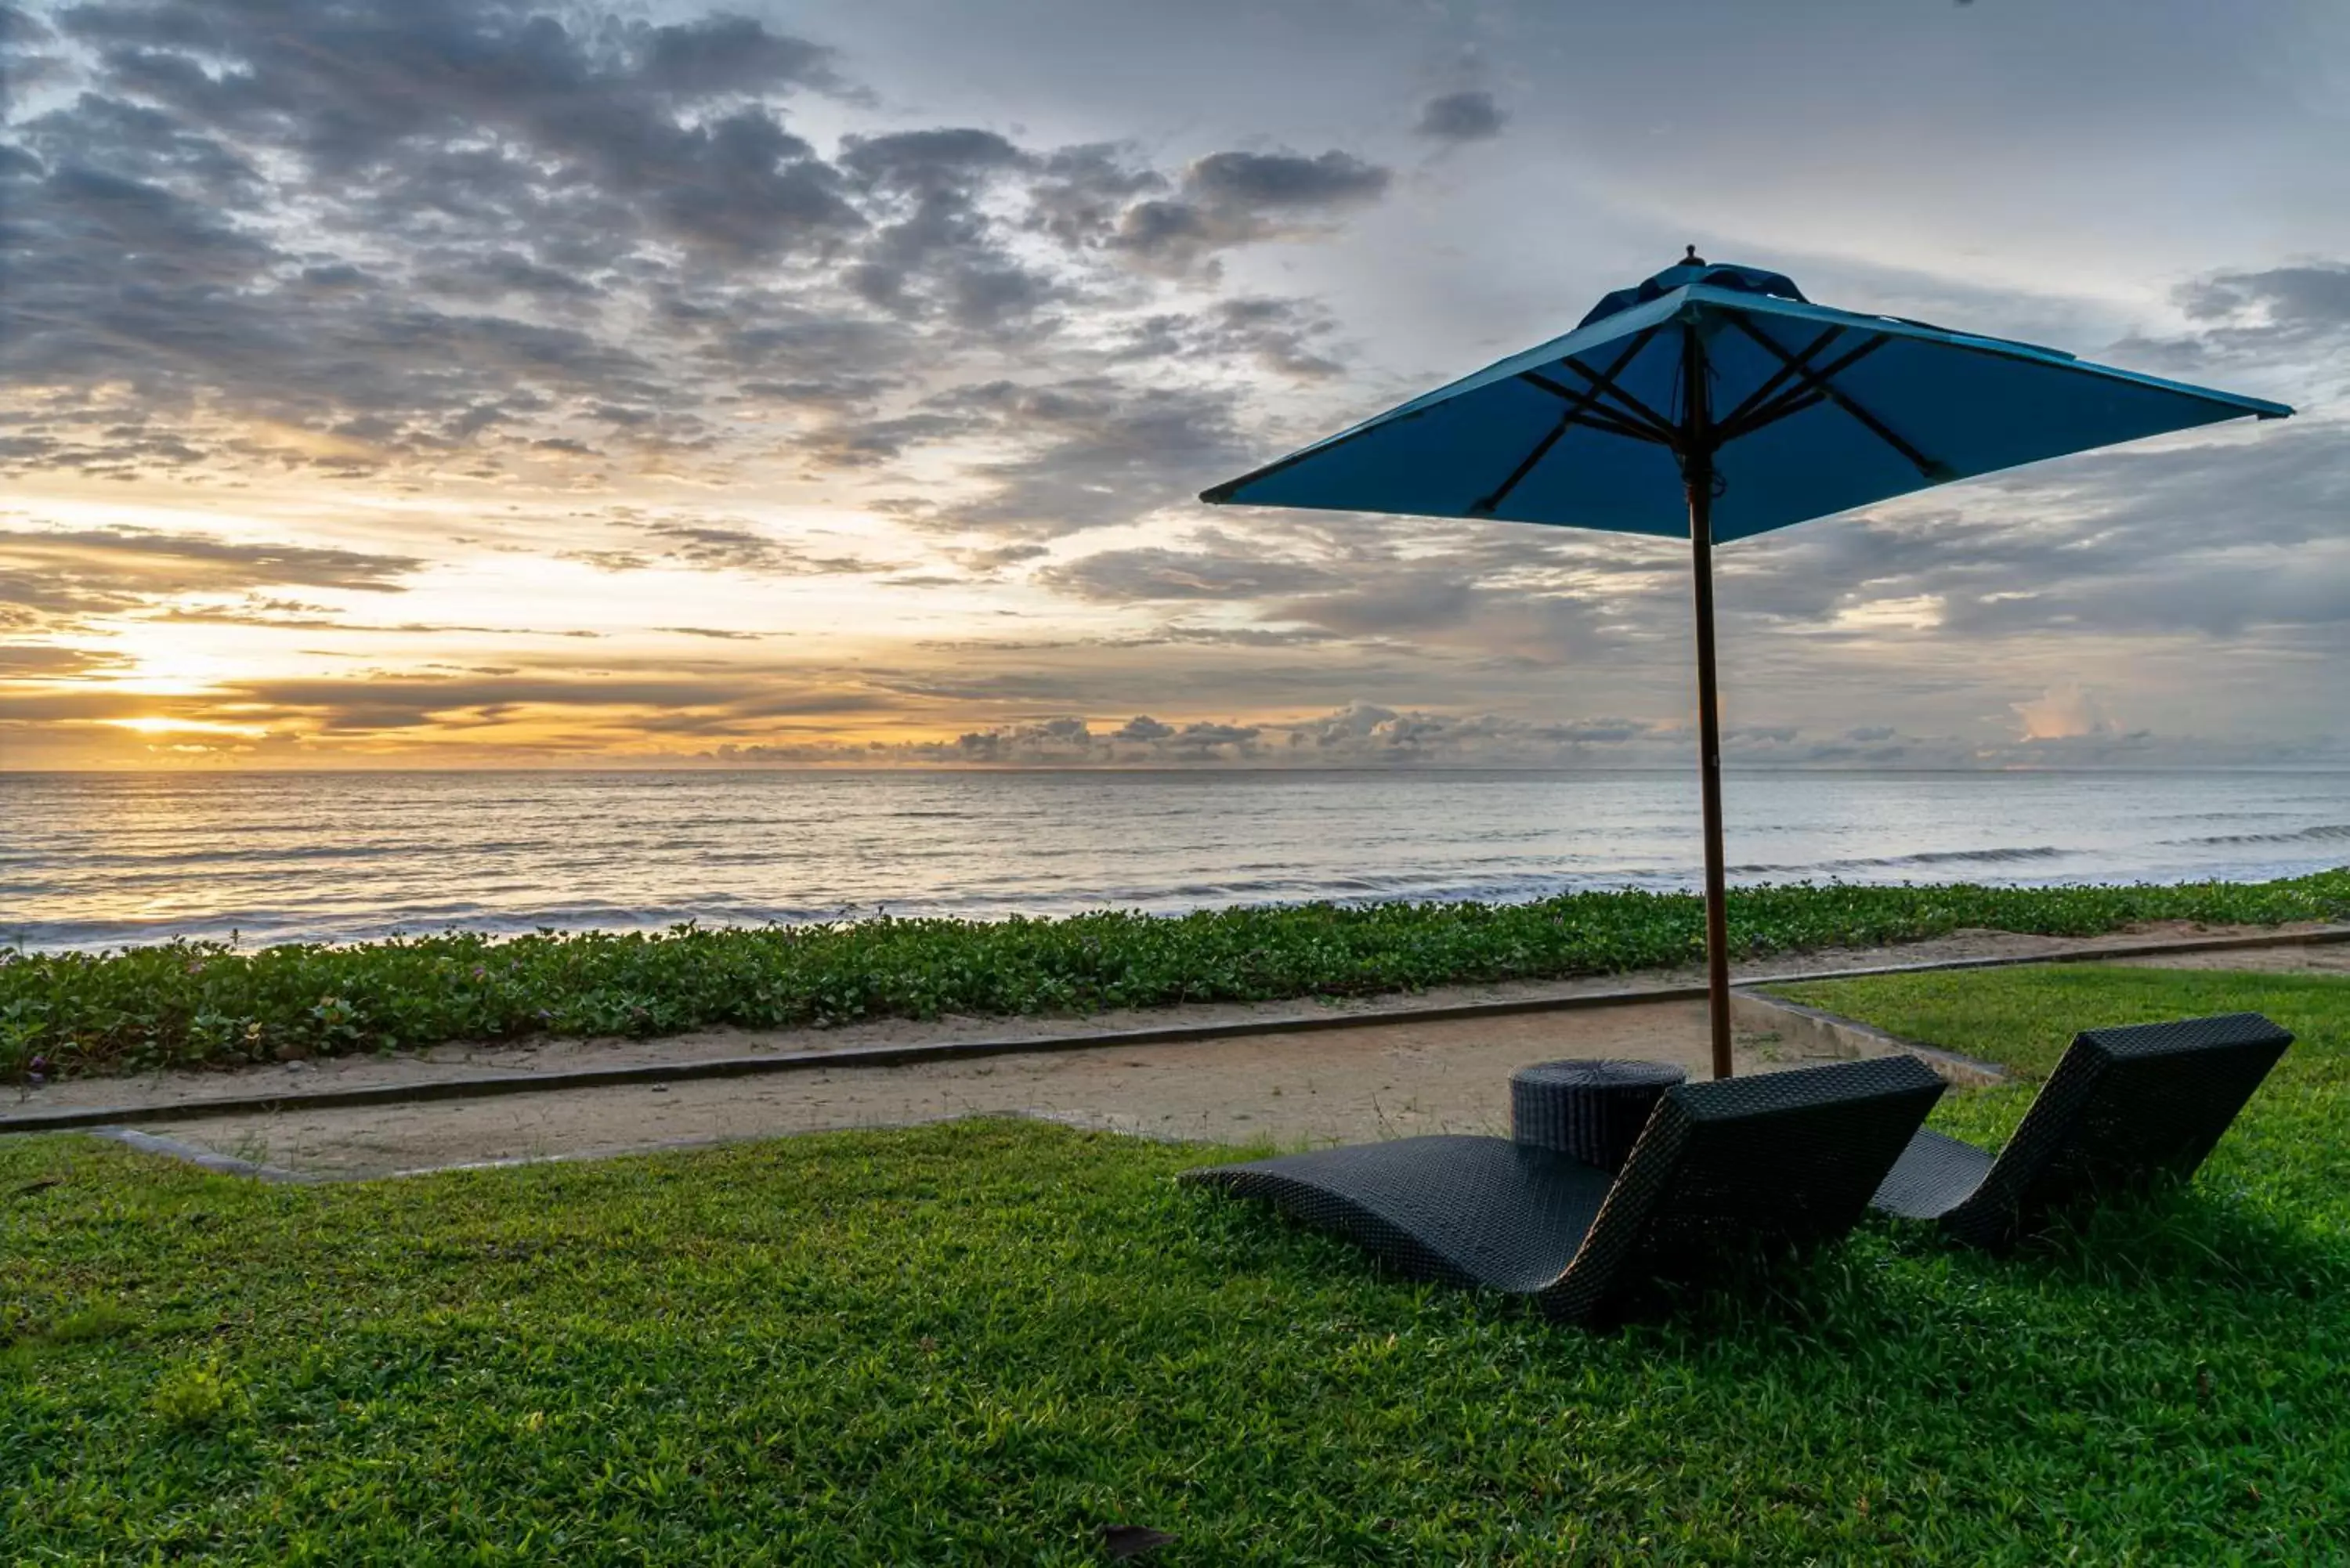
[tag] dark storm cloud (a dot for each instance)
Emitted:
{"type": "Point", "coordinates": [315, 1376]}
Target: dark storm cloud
{"type": "Point", "coordinates": [1470, 116]}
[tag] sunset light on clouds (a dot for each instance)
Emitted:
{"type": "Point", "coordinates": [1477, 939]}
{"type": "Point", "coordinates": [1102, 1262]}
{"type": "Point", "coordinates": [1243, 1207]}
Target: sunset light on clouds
{"type": "Point", "coordinates": [394, 384]}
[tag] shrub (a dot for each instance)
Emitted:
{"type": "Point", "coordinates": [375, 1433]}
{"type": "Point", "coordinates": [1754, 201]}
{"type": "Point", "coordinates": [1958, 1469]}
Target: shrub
{"type": "Point", "coordinates": [209, 1005]}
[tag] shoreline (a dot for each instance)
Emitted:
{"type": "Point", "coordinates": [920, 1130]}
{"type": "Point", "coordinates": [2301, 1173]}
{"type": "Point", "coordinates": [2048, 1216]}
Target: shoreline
{"type": "Point", "coordinates": [209, 934]}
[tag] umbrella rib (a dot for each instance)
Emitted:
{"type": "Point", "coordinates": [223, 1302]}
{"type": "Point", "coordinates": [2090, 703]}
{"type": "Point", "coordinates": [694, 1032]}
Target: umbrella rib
{"type": "Point", "coordinates": [1604, 386]}
{"type": "Point", "coordinates": [1755, 399]}
{"type": "Point", "coordinates": [1584, 414]}
{"type": "Point", "coordinates": [1801, 397]}
{"type": "Point", "coordinates": [1485, 507]}
{"type": "Point", "coordinates": [1820, 384]}
{"type": "Point", "coordinates": [1579, 406]}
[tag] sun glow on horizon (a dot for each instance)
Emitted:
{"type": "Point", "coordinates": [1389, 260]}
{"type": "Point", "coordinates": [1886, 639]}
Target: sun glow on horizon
{"type": "Point", "coordinates": [163, 724]}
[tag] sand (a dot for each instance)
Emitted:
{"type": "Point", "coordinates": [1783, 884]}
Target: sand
{"type": "Point", "coordinates": [1382, 1080]}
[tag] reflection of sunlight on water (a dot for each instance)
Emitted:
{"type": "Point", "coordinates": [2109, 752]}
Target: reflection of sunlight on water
{"type": "Point", "coordinates": [95, 858]}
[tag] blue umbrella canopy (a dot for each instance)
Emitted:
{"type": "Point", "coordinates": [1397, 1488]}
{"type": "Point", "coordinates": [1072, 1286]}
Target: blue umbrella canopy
{"type": "Point", "coordinates": [1716, 402]}
{"type": "Point", "coordinates": [1803, 411]}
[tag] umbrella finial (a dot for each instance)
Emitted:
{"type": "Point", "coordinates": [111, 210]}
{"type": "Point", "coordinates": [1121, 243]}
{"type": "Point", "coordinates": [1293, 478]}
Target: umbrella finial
{"type": "Point", "coordinates": [1692, 259]}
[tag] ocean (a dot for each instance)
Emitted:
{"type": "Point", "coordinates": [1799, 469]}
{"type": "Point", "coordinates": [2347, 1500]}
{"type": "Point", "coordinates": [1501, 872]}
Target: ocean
{"type": "Point", "coordinates": [91, 860]}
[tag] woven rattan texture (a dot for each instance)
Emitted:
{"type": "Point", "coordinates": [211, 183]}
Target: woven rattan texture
{"type": "Point", "coordinates": [2124, 1106]}
{"type": "Point", "coordinates": [1593, 1110]}
{"type": "Point", "coordinates": [1742, 1166]}
{"type": "Point", "coordinates": [1788, 1158]}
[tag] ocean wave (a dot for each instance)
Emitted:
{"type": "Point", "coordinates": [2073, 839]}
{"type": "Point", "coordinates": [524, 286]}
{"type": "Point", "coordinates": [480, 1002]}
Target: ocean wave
{"type": "Point", "coordinates": [2325, 833]}
{"type": "Point", "coordinates": [2008, 855]}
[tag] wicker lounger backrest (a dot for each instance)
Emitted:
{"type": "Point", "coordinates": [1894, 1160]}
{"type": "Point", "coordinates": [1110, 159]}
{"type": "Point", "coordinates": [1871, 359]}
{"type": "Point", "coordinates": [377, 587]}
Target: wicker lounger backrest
{"type": "Point", "coordinates": [2123, 1106]}
{"type": "Point", "coordinates": [1775, 1160]}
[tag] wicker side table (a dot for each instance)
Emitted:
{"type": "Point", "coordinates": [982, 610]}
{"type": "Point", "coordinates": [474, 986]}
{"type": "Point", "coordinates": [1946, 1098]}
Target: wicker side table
{"type": "Point", "coordinates": [1593, 1110]}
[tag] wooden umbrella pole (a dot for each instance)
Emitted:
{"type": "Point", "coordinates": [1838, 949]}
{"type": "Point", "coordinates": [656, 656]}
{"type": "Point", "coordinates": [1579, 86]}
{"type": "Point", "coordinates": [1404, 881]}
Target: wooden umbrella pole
{"type": "Point", "coordinates": [1708, 733]}
{"type": "Point", "coordinates": [1697, 449]}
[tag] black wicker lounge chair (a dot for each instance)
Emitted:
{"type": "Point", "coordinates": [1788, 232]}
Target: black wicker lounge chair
{"type": "Point", "coordinates": [2123, 1108]}
{"type": "Point", "coordinates": [1779, 1159]}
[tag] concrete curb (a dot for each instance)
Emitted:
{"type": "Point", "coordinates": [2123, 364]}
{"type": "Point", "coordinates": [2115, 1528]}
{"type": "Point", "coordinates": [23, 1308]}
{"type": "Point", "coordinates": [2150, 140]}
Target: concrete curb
{"type": "Point", "coordinates": [495, 1083]}
{"type": "Point", "coordinates": [1839, 1034]}
{"type": "Point", "coordinates": [219, 1164]}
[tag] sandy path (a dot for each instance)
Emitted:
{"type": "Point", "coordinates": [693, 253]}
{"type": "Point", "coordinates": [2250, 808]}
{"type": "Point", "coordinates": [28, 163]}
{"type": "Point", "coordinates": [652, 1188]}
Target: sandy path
{"type": "Point", "coordinates": [1382, 1080]}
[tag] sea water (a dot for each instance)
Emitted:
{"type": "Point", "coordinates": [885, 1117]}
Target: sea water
{"type": "Point", "coordinates": [102, 859]}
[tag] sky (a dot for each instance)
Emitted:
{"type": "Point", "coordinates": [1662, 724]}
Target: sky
{"type": "Point", "coordinates": [445, 383]}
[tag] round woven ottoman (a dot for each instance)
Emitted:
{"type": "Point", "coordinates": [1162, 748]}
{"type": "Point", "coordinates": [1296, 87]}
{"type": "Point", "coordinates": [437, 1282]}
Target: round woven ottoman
{"type": "Point", "coordinates": [1593, 1110]}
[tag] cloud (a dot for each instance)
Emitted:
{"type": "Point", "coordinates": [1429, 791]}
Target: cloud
{"type": "Point", "coordinates": [354, 88]}
{"type": "Point", "coordinates": [723, 53]}
{"type": "Point", "coordinates": [715, 544]}
{"type": "Point", "coordinates": [1126, 577]}
{"type": "Point", "coordinates": [1282, 336]}
{"type": "Point", "coordinates": [68, 575]}
{"type": "Point", "coordinates": [1086, 452]}
{"type": "Point", "coordinates": [43, 662]}
{"type": "Point", "coordinates": [1430, 607]}
{"type": "Point", "coordinates": [1229, 199]}
{"type": "Point", "coordinates": [519, 264]}
{"type": "Point", "coordinates": [2062, 713]}
{"type": "Point", "coordinates": [2265, 320]}
{"type": "Point", "coordinates": [1359, 735]}
{"type": "Point", "coordinates": [376, 237]}
{"type": "Point", "coordinates": [671, 701]}
{"type": "Point", "coordinates": [1457, 117]}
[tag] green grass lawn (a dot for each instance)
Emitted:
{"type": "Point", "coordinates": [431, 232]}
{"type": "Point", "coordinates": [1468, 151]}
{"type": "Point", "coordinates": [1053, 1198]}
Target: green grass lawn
{"type": "Point", "coordinates": [982, 1343]}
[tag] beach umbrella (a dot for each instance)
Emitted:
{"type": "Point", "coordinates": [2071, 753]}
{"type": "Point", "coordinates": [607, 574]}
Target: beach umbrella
{"type": "Point", "coordinates": [1715, 402]}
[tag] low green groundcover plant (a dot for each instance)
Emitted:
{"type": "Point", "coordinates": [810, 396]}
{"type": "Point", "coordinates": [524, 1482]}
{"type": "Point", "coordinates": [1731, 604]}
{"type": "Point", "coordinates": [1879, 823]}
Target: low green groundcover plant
{"type": "Point", "coordinates": [992, 1341]}
{"type": "Point", "coordinates": [195, 1005]}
